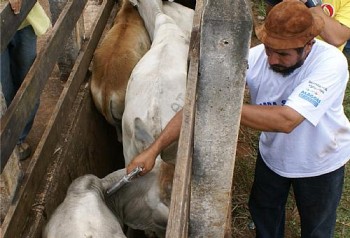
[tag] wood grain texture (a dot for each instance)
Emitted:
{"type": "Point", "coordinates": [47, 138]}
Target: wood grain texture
{"type": "Point", "coordinates": [225, 40]}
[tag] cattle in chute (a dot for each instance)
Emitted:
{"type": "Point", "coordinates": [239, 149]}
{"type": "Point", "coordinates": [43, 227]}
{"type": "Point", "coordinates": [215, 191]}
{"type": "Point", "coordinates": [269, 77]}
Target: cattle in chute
{"type": "Point", "coordinates": [87, 211]}
{"type": "Point", "coordinates": [157, 85]}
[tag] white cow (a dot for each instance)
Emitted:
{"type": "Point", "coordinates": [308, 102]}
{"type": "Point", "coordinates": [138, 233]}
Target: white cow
{"type": "Point", "coordinates": [87, 212]}
{"type": "Point", "coordinates": [83, 213]}
{"type": "Point", "coordinates": [157, 85]}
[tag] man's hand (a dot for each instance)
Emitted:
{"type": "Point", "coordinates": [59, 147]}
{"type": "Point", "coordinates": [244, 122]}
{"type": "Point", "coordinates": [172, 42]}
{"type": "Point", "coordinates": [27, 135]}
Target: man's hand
{"type": "Point", "coordinates": [16, 6]}
{"type": "Point", "coordinates": [145, 160]}
{"type": "Point", "coordinates": [312, 3]}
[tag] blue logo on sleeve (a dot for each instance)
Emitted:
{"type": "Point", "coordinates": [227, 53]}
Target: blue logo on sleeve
{"type": "Point", "coordinates": [310, 98]}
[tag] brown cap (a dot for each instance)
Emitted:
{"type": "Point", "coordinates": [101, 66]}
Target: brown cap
{"type": "Point", "coordinates": [289, 25]}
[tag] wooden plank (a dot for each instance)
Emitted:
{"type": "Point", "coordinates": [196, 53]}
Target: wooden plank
{"type": "Point", "coordinates": [15, 118]}
{"type": "Point", "coordinates": [11, 22]}
{"type": "Point", "coordinates": [225, 40]}
{"type": "Point", "coordinates": [14, 219]}
{"type": "Point", "coordinates": [180, 197]}
{"type": "Point", "coordinates": [71, 50]}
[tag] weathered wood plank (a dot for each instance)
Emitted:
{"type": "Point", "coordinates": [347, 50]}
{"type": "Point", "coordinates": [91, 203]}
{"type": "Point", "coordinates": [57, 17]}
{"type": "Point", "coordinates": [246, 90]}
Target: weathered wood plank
{"type": "Point", "coordinates": [10, 22]}
{"type": "Point", "coordinates": [15, 221]}
{"type": "Point", "coordinates": [180, 197]}
{"type": "Point", "coordinates": [72, 46]}
{"type": "Point", "coordinates": [15, 118]}
{"type": "Point", "coordinates": [225, 39]}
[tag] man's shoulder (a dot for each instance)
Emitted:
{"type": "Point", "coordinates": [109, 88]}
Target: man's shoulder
{"type": "Point", "coordinates": [326, 55]}
{"type": "Point", "coordinates": [322, 46]}
{"type": "Point", "coordinates": [257, 48]}
{"type": "Point", "coordinates": [256, 51]}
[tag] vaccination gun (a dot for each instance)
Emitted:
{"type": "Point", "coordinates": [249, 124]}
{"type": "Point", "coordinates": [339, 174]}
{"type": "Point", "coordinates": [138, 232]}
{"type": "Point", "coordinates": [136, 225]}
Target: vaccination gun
{"type": "Point", "coordinates": [126, 179]}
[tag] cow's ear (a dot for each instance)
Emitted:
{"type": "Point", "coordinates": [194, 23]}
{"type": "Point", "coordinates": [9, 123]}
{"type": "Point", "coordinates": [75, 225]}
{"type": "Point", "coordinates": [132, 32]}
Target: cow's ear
{"type": "Point", "coordinates": [133, 2]}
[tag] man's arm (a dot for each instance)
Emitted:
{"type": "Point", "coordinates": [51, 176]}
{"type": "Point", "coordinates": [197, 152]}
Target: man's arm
{"type": "Point", "coordinates": [263, 118]}
{"type": "Point", "coordinates": [270, 118]}
{"type": "Point", "coordinates": [334, 32]}
{"type": "Point", "coordinates": [169, 135]}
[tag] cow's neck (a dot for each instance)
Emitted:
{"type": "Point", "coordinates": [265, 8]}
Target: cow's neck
{"type": "Point", "coordinates": [149, 10]}
{"type": "Point", "coordinates": [111, 203]}
{"type": "Point", "coordinates": [107, 183]}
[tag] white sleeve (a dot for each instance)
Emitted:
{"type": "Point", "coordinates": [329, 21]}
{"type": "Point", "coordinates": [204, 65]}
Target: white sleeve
{"type": "Point", "coordinates": [324, 84]}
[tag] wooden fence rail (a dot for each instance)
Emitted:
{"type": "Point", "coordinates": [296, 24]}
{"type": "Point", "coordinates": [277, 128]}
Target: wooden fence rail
{"type": "Point", "coordinates": [180, 196]}
{"type": "Point", "coordinates": [15, 118]}
{"type": "Point", "coordinates": [10, 22]}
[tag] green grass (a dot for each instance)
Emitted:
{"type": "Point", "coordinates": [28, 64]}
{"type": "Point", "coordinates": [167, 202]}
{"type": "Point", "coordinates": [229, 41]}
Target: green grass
{"type": "Point", "coordinates": [346, 102]}
{"type": "Point", "coordinates": [261, 9]}
{"type": "Point", "coordinates": [343, 217]}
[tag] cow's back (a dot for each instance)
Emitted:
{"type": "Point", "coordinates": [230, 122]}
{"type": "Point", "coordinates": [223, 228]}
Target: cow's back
{"type": "Point", "coordinates": [157, 85]}
{"type": "Point", "coordinates": [182, 15]}
{"type": "Point", "coordinates": [83, 213]}
{"type": "Point", "coordinates": [123, 46]}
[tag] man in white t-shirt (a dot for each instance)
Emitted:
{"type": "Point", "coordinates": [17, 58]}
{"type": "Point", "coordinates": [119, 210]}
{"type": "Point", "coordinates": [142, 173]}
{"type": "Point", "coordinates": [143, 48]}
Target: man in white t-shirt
{"type": "Point", "coordinates": [297, 85]}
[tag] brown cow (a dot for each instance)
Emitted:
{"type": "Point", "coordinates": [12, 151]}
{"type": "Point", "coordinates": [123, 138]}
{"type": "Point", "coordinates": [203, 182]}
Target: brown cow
{"type": "Point", "coordinates": [123, 46]}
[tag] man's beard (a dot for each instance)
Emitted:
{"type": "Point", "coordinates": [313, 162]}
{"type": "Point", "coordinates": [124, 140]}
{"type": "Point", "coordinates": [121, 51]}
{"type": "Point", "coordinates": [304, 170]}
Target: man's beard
{"type": "Point", "coordinates": [285, 71]}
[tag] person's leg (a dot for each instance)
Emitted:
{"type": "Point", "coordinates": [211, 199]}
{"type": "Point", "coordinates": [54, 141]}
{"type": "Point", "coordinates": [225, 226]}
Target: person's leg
{"type": "Point", "coordinates": [346, 50]}
{"type": "Point", "coordinates": [267, 201]}
{"type": "Point", "coordinates": [317, 200]}
{"type": "Point", "coordinates": [6, 77]}
{"type": "Point", "coordinates": [23, 55]}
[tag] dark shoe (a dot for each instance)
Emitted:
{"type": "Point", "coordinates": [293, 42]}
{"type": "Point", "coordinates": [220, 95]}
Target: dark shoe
{"type": "Point", "coordinates": [23, 151]}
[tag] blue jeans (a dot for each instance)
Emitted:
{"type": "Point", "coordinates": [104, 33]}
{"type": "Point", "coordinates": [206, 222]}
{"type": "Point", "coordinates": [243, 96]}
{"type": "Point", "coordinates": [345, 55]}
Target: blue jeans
{"type": "Point", "coordinates": [16, 61]}
{"type": "Point", "coordinates": [346, 52]}
{"type": "Point", "coordinates": [317, 199]}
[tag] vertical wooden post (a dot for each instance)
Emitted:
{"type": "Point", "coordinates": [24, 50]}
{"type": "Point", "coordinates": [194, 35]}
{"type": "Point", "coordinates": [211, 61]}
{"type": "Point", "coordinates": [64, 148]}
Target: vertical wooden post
{"type": "Point", "coordinates": [180, 197]}
{"type": "Point", "coordinates": [70, 52]}
{"type": "Point", "coordinates": [225, 40]}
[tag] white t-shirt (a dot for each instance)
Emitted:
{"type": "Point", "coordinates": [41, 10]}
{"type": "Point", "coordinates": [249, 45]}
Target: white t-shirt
{"type": "Point", "coordinates": [321, 143]}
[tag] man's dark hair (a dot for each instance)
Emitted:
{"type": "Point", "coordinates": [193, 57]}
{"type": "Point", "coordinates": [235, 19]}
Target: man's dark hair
{"type": "Point", "coordinates": [300, 50]}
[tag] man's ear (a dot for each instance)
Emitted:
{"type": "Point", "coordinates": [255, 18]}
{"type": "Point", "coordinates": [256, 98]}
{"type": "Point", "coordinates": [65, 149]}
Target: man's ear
{"type": "Point", "coordinates": [309, 45]}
